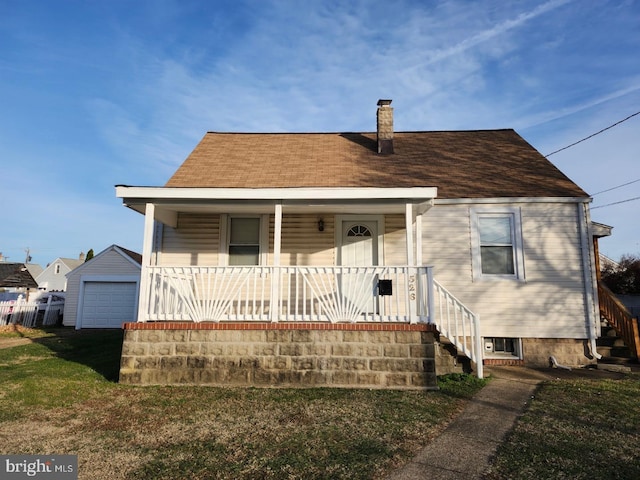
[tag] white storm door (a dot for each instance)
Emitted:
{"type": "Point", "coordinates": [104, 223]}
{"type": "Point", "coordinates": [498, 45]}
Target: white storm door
{"type": "Point", "coordinates": [359, 248]}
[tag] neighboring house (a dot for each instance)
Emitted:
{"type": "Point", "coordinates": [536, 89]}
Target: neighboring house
{"type": "Point", "coordinates": [360, 259]}
{"type": "Point", "coordinates": [103, 292]}
{"type": "Point", "coordinates": [15, 280]}
{"type": "Point", "coordinates": [34, 269]}
{"type": "Point", "coordinates": [53, 278]}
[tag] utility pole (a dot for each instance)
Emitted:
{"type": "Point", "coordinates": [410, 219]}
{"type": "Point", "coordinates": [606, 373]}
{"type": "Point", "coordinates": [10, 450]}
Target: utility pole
{"type": "Point", "coordinates": [28, 258]}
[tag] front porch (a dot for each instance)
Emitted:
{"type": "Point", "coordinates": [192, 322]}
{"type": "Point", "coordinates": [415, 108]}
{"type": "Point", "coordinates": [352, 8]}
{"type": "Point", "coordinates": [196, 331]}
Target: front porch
{"type": "Point", "coordinates": [315, 260]}
{"type": "Point", "coordinates": [367, 327]}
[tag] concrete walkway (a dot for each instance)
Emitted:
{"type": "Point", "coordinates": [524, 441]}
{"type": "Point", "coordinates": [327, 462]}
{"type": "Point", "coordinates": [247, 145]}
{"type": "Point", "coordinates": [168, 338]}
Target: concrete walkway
{"type": "Point", "coordinates": [465, 448]}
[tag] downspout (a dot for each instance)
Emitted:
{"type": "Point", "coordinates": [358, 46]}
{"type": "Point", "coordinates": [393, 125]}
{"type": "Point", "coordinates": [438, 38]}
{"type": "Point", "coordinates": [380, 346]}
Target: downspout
{"type": "Point", "coordinates": [589, 277]}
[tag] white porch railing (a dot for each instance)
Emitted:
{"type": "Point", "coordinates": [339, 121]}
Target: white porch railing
{"type": "Point", "coordinates": [309, 294]}
{"type": "Point", "coordinates": [322, 294]}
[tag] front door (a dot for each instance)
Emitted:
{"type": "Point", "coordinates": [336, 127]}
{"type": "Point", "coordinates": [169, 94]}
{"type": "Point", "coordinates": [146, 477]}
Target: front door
{"type": "Point", "coordinates": [359, 248]}
{"type": "Point", "coordinates": [359, 243]}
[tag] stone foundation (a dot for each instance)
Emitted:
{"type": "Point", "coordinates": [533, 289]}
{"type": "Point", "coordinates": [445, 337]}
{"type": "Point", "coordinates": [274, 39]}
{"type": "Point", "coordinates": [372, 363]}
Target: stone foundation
{"type": "Point", "coordinates": [567, 351]}
{"type": "Point", "coordinates": [393, 356]}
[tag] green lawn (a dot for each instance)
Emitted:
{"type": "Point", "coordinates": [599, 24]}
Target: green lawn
{"type": "Point", "coordinates": [58, 395]}
{"type": "Point", "coordinates": [576, 429]}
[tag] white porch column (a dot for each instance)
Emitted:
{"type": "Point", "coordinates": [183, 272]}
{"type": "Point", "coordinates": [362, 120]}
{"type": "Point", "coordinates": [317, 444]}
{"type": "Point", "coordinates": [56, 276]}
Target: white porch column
{"type": "Point", "coordinates": [147, 250]}
{"type": "Point", "coordinates": [277, 246]}
{"type": "Point", "coordinates": [419, 261]}
{"type": "Point", "coordinates": [409, 227]}
{"type": "Point", "coordinates": [277, 234]}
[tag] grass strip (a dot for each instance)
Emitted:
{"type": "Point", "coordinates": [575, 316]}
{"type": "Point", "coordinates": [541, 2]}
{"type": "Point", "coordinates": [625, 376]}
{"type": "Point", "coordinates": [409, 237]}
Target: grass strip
{"type": "Point", "coordinates": [577, 429]}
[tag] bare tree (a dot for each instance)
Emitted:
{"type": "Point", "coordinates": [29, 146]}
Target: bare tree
{"type": "Point", "coordinates": [623, 278]}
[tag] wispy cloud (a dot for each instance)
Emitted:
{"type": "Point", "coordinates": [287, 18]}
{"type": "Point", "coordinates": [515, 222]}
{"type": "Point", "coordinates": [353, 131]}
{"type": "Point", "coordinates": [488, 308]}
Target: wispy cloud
{"type": "Point", "coordinates": [490, 33]}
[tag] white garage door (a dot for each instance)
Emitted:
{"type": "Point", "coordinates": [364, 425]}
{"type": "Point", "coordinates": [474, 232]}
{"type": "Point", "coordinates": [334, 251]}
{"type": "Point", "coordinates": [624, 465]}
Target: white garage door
{"type": "Point", "coordinates": [108, 304]}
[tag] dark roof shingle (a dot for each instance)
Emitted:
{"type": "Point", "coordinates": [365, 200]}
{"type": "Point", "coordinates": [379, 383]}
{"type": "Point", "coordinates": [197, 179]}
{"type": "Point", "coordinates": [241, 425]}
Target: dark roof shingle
{"type": "Point", "coordinates": [16, 275]}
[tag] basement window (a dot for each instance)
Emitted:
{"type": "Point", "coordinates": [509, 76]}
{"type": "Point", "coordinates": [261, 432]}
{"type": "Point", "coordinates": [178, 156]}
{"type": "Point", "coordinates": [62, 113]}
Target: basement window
{"type": "Point", "coordinates": [501, 347]}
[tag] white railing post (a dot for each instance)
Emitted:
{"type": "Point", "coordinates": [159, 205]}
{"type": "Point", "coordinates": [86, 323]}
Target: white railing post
{"type": "Point", "coordinates": [412, 294]}
{"type": "Point", "coordinates": [430, 297]}
{"type": "Point", "coordinates": [478, 346]}
{"type": "Point", "coordinates": [274, 305]}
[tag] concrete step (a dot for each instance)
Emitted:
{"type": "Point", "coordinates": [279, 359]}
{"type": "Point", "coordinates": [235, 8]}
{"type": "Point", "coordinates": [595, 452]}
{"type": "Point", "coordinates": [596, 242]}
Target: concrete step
{"type": "Point", "coordinates": [613, 351]}
{"type": "Point", "coordinates": [611, 367]}
{"type": "Point", "coordinates": [610, 341]}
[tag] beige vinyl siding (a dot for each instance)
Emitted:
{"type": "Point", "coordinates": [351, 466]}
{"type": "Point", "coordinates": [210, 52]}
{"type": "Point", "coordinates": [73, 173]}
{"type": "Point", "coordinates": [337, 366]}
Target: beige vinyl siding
{"type": "Point", "coordinates": [195, 241]}
{"type": "Point", "coordinates": [395, 240]}
{"type": "Point", "coordinates": [302, 243]}
{"type": "Point", "coordinates": [549, 303]}
{"type": "Point", "coordinates": [111, 263]}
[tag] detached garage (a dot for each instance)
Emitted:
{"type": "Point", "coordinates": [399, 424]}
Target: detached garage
{"type": "Point", "coordinates": [103, 292]}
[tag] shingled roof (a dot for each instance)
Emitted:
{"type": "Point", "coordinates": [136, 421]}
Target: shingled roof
{"type": "Point", "coordinates": [461, 164]}
{"type": "Point", "coordinates": [16, 275]}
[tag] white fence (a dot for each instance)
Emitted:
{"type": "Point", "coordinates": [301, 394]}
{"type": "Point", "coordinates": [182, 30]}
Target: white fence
{"type": "Point", "coordinates": [52, 312]}
{"type": "Point", "coordinates": [21, 312]}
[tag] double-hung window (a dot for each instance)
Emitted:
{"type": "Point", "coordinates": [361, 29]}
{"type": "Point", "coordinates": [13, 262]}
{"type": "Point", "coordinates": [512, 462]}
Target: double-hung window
{"type": "Point", "coordinates": [244, 241]}
{"type": "Point", "coordinates": [496, 238]}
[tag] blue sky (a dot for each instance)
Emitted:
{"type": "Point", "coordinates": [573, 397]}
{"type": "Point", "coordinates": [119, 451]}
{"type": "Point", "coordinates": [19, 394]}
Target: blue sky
{"type": "Point", "coordinates": [96, 93]}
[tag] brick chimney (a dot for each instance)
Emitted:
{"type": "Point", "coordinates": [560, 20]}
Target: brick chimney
{"type": "Point", "coordinates": [385, 127]}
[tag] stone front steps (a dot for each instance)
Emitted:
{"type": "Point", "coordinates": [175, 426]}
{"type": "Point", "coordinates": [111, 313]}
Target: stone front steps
{"type": "Point", "coordinates": [614, 351]}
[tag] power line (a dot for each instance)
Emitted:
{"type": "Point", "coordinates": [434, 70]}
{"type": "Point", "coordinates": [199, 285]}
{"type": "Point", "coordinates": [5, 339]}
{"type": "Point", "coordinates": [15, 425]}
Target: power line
{"type": "Point", "coordinates": [617, 186]}
{"type": "Point", "coordinates": [593, 134]}
{"type": "Point", "coordinates": [616, 203]}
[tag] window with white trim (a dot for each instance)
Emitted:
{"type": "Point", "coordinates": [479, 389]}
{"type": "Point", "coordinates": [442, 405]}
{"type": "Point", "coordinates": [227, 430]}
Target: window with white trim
{"type": "Point", "coordinates": [496, 240]}
{"type": "Point", "coordinates": [244, 241]}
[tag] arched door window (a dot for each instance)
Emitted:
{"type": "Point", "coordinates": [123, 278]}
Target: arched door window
{"type": "Point", "coordinates": [359, 231]}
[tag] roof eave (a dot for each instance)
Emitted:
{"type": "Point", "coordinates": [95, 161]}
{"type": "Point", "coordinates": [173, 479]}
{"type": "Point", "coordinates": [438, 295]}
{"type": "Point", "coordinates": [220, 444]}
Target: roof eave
{"type": "Point", "coordinates": [271, 194]}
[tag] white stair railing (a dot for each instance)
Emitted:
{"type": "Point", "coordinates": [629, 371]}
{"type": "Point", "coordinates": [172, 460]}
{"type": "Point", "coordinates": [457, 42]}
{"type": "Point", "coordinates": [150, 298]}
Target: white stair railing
{"type": "Point", "coordinates": [458, 324]}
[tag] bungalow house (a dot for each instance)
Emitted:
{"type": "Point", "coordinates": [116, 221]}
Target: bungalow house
{"type": "Point", "coordinates": [376, 260]}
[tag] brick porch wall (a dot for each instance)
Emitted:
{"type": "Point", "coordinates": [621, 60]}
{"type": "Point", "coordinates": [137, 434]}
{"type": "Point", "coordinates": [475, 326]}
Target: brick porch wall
{"type": "Point", "coordinates": [394, 356]}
